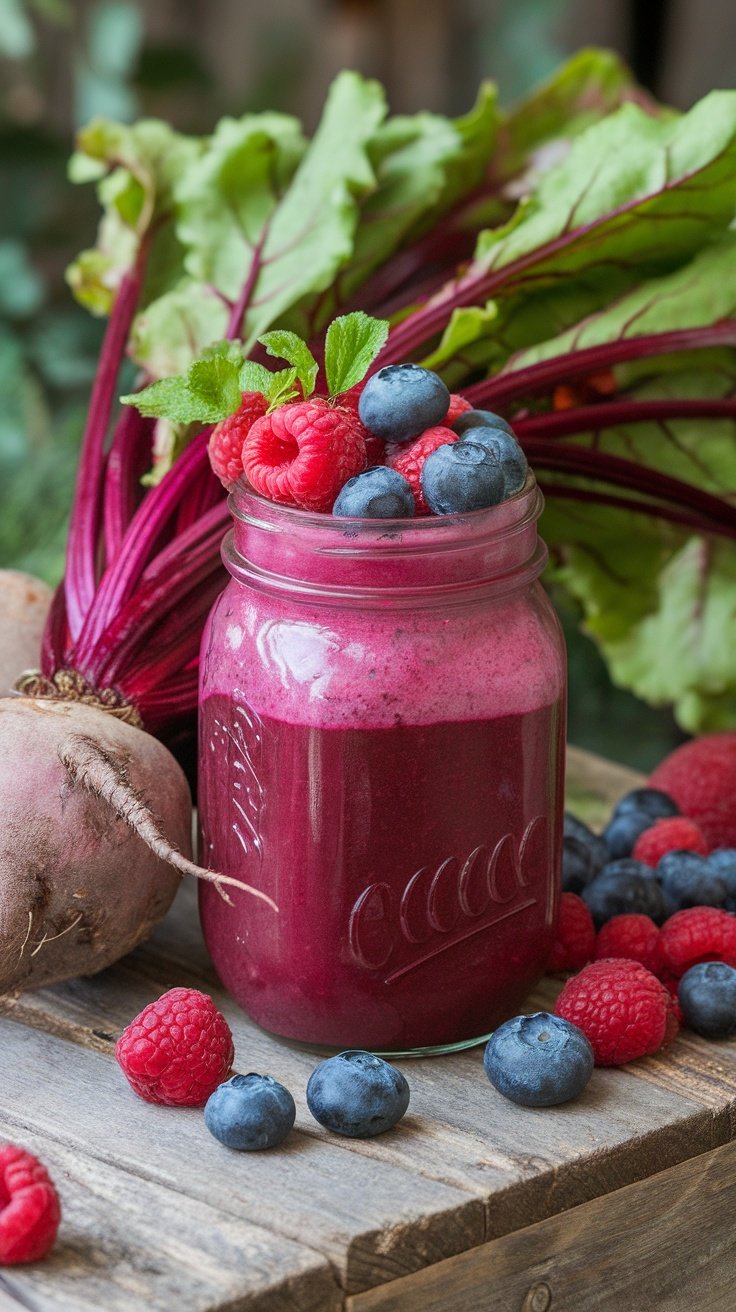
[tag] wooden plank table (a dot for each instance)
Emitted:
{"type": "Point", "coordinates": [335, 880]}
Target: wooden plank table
{"type": "Point", "coordinates": [621, 1200]}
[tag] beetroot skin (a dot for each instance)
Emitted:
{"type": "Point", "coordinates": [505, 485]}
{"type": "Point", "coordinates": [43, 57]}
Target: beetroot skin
{"type": "Point", "coordinates": [78, 886]}
{"type": "Point", "coordinates": [701, 777]}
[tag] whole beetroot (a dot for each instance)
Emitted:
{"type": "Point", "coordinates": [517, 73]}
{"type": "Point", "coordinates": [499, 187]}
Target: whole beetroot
{"type": "Point", "coordinates": [95, 833]}
{"type": "Point", "coordinates": [24, 605]}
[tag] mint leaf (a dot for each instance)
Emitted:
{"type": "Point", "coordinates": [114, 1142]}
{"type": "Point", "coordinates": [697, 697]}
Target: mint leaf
{"type": "Point", "coordinates": [255, 378]}
{"type": "Point", "coordinates": [277, 387]}
{"type": "Point", "coordinates": [351, 345]}
{"type": "Point", "coordinates": [208, 392]}
{"type": "Point", "coordinates": [169, 398]}
{"type": "Point", "coordinates": [214, 381]}
{"type": "Point", "coordinates": [282, 388]}
{"type": "Point", "coordinates": [287, 346]}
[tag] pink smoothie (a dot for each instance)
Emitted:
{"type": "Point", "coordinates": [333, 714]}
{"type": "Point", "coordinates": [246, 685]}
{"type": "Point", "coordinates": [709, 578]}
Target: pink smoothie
{"type": "Point", "coordinates": [392, 779]}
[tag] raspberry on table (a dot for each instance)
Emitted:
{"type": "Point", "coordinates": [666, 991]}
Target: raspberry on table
{"type": "Point", "coordinates": [177, 1050]}
{"type": "Point", "coordinates": [29, 1207]}
{"type": "Point", "coordinates": [634, 937]}
{"type": "Point", "coordinates": [701, 776]}
{"type": "Point", "coordinates": [675, 834]}
{"type": "Point", "coordinates": [304, 452]}
{"type": "Point", "coordinates": [624, 1010]}
{"type": "Point", "coordinates": [697, 934]}
{"type": "Point", "coordinates": [225, 447]}
{"type": "Point", "coordinates": [575, 938]}
{"type": "Point", "coordinates": [408, 458]}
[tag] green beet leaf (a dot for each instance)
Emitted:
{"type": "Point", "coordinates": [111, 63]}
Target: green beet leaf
{"type": "Point", "coordinates": [137, 168]}
{"type": "Point", "coordinates": [266, 221]}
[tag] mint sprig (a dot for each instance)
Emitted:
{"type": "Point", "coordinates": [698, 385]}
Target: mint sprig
{"type": "Point", "coordinates": [213, 386]}
{"type": "Point", "coordinates": [287, 346]}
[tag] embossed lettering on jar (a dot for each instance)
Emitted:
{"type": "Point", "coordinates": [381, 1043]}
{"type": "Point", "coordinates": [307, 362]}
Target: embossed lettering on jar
{"type": "Point", "coordinates": [382, 727]}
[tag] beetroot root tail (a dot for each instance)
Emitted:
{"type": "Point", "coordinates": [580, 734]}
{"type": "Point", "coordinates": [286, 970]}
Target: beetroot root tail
{"type": "Point", "coordinates": [105, 776]}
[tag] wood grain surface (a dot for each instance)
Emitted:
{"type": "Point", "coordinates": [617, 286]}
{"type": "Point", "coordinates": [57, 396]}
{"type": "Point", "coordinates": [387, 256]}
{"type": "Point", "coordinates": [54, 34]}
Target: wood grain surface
{"type": "Point", "coordinates": [157, 1213]}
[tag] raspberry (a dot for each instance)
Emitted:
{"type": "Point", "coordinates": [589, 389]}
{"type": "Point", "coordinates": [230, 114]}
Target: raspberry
{"type": "Point", "coordinates": [408, 458]}
{"type": "Point", "coordinates": [29, 1207]}
{"type": "Point", "coordinates": [697, 934]}
{"type": "Point", "coordinates": [458, 406]}
{"type": "Point", "coordinates": [225, 446]}
{"type": "Point", "coordinates": [375, 450]}
{"type": "Point", "coordinates": [634, 937]}
{"type": "Point", "coordinates": [622, 1008]}
{"type": "Point", "coordinates": [302, 453]}
{"type": "Point", "coordinates": [177, 1051]}
{"type": "Point", "coordinates": [575, 939]}
{"type": "Point", "coordinates": [701, 776]}
{"type": "Point", "coordinates": [676, 834]}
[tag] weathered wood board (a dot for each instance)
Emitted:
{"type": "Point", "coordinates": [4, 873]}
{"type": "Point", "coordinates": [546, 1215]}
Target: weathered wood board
{"type": "Point", "coordinates": [455, 1208]}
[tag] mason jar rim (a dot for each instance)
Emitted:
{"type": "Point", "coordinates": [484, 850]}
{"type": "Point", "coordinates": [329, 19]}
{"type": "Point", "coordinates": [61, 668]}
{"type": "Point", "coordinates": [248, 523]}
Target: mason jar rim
{"type": "Point", "coordinates": [359, 537]}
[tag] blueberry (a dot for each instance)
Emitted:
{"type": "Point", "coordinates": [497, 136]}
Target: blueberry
{"type": "Point", "coordinates": [379, 493]}
{"type": "Point", "coordinates": [506, 451]}
{"type": "Point", "coordinates": [689, 880]}
{"type": "Point", "coordinates": [401, 400]}
{"type": "Point", "coordinates": [249, 1112]}
{"type": "Point", "coordinates": [480, 418]}
{"type": "Point", "coordinates": [357, 1094]}
{"type": "Point", "coordinates": [707, 995]}
{"type": "Point", "coordinates": [575, 828]}
{"type": "Point", "coordinates": [538, 1060]}
{"type": "Point", "coordinates": [616, 892]}
{"type": "Point", "coordinates": [652, 801]}
{"type": "Point", "coordinates": [578, 867]}
{"type": "Point", "coordinates": [461, 477]}
{"type": "Point", "coordinates": [722, 862]}
{"type": "Point", "coordinates": [623, 829]}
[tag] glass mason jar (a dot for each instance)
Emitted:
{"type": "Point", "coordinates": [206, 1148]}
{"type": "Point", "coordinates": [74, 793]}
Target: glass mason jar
{"type": "Point", "coordinates": [382, 718]}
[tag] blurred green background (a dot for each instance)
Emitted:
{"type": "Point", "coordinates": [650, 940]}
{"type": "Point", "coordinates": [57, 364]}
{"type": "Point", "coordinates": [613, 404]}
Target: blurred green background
{"type": "Point", "coordinates": [190, 61]}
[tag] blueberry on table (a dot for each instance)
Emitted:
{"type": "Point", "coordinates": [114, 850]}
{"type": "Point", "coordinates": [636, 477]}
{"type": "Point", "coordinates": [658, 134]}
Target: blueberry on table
{"type": "Point", "coordinates": [461, 477]}
{"type": "Point", "coordinates": [378, 493]}
{"type": "Point", "coordinates": [506, 450]}
{"type": "Point", "coordinates": [689, 880]}
{"type": "Point", "coordinates": [480, 418]}
{"type": "Point", "coordinates": [357, 1094]}
{"type": "Point", "coordinates": [620, 892]}
{"type": "Point", "coordinates": [583, 854]}
{"type": "Point", "coordinates": [573, 827]}
{"type": "Point", "coordinates": [652, 801]}
{"type": "Point", "coordinates": [250, 1112]}
{"type": "Point", "coordinates": [401, 400]}
{"type": "Point", "coordinates": [578, 866]}
{"type": "Point", "coordinates": [707, 995]}
{"type": "Point", "coordinates": [539, 1060]}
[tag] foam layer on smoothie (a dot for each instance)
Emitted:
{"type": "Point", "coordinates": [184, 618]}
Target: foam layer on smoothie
{"type": "Point", "coordinates": [345, 668]}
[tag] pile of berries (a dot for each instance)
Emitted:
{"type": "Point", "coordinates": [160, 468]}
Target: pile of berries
{"type": "Point", "coordinates": [647, 915]}
{"type": "Point", "coordinates": [396, 446]}
{"type": "Point", "coordinates": [179, 1052]}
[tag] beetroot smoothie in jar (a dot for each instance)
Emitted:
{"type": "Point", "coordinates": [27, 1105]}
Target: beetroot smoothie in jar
{"type": "Point", "coordinates": [381, 745]}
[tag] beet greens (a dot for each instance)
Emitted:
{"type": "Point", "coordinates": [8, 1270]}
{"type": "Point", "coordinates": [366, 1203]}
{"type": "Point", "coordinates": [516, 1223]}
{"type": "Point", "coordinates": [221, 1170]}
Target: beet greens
{"type": "Point", "coordinates": [569, 264]}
